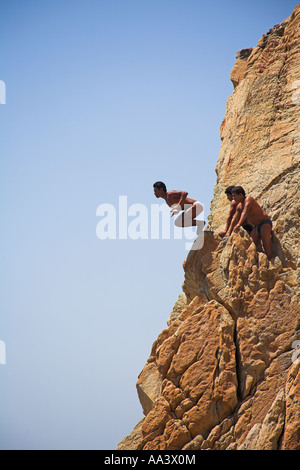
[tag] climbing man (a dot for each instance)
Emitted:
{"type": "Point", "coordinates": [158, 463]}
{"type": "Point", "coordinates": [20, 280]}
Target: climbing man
{"type": "Point", "coordinates": [249, 209]}
{"type": "Point", "coordinates": [178, 201]}
{"type": "Point", "coordinates": [233, 206]}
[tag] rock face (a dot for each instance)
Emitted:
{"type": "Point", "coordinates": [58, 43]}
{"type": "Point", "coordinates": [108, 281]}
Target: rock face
{"type": "Point", "coordinates": [225, 372]}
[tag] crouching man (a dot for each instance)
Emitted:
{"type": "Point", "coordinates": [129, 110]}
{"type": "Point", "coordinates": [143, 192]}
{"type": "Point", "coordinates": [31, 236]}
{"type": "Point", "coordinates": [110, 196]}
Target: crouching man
{"type": "Point", "coordinates": [248, 209]}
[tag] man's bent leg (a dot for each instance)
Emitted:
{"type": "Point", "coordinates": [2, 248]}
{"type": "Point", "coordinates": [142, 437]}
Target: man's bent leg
{"type": "Point", "coordinates": [265, 233]}
{"type": "Point", "coordinates": [255, 235]}
{"type": "Point", "coordinates": [187, 219]}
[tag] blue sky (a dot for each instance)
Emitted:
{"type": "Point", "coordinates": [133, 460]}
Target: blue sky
{"type": "Point", "coordinates": [103, 98]}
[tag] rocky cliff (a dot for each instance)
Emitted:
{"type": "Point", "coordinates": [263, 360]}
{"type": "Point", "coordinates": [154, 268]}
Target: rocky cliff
{"type": "Point", "coordinates": [225, 372]}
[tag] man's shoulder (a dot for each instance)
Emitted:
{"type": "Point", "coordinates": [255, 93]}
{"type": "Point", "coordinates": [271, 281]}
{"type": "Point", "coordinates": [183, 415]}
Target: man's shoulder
{"type": "Point", "coordinates": [249, 199]}
{"type": "Point", "coordinates": [172, 192]}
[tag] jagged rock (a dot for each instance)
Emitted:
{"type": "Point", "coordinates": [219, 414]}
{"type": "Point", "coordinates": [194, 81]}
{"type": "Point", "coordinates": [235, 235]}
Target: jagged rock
{"type": "Point", "coordinates": [239, 68]}
{"type": "Point", "coordinates": [149, 386]}
{"type": "Point", "coordinates": [134, 439]}
{"type": "Point", "coordinates": [179, 305]}
{"type": "Point", "coordinates": [224, 374]}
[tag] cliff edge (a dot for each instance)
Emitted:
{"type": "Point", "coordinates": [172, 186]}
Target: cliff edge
{"type": "Point", "coordinates": [224, 374]}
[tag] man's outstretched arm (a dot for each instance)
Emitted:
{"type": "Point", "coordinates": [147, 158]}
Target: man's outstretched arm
{"type": "Point", "coordinates": [229, 219]}
{"type": "Point", "coordinates": [180, 205]}
{"type": "Point", "coordinates": [182, 198]}
{"type": "Point", "coordinates": [244, 215]}
{"type": "Point", "coordinates": [234, 221]}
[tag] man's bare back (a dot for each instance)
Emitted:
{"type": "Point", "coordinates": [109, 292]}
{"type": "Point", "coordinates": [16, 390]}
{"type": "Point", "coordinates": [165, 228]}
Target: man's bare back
{"type": "Point", "coordinates": [179, 197]}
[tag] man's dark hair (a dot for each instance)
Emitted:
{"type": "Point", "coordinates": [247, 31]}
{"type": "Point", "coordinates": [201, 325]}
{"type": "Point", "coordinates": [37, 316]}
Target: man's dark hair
{"type": "Point", "coordinates": [159, 185]}
{"type": "Point", "coordinates": [229, 189]}
{"type": "Point", "coordinates": [239, 190]}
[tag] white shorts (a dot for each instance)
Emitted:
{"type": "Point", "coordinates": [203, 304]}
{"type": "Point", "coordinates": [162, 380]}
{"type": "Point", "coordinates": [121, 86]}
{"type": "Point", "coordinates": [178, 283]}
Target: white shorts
{"type": "Point", "coordinates": [186, 217]}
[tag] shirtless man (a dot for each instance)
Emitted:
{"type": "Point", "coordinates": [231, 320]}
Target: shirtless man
{"type": "Point", "coordinates": [179, 201]}
{"type": "Point", "coordinates": [249, 209]}
{"type": "Point", "coordinates": [233, 206]}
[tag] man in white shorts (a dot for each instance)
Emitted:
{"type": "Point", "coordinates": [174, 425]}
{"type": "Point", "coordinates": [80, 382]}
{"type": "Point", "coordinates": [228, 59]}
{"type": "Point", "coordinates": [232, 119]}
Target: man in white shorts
{"type": "Point", "coordinates": [178, 201]}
